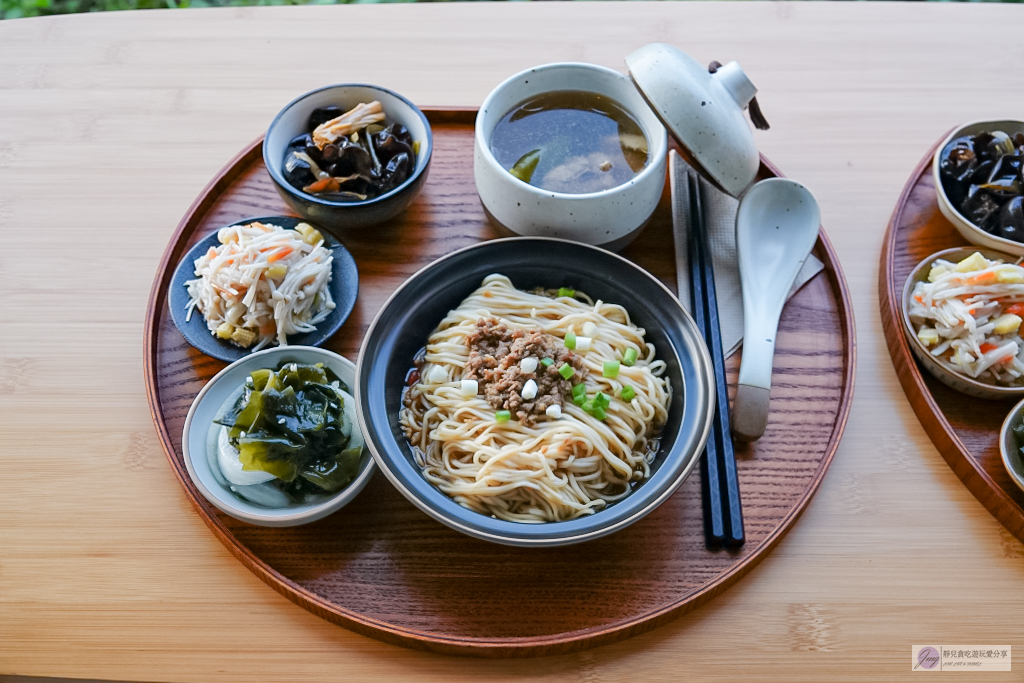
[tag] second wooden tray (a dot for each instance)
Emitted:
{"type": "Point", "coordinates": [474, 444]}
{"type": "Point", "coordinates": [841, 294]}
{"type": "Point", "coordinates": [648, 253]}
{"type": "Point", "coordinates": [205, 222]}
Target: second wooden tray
{"type": "Point", "coordinates": [964, 429]}
{"type": "Point", "coordinates": [383, 568]}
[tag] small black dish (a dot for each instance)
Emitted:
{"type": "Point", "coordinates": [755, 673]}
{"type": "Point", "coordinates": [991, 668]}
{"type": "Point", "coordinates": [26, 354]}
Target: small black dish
{"type": "Point", "coordinates": [344, 289]}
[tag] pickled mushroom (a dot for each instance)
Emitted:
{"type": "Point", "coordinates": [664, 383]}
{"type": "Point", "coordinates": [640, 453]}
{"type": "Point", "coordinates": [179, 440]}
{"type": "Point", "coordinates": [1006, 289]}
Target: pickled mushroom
{"type": "Point", "coordinates": [350, 122]}
{"type": "Point", "coordinates": [350, 155]}
{"type": "Point", "coordinates": [983, 177]}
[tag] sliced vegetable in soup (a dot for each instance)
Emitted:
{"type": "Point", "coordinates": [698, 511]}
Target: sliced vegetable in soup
{"type": "Point", "coordinates": [570, 141]}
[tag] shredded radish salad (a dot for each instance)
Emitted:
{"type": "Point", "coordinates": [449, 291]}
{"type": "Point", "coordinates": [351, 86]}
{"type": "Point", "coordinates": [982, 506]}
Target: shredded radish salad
{"type": "Point", "coordinates": [968, 315]}
{"type": "Point", "coordinates": [263, 283]}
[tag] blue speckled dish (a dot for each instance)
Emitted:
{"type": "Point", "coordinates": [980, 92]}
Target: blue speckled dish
{"type": "Point", "coordinates": [403, 324]}
{"type": "Point", "coordinates": [344, 288]}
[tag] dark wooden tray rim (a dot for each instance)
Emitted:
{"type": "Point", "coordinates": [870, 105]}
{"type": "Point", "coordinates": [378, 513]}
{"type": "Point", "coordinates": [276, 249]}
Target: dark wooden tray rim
{"type": "Point", "coordinates": [501, 648]}
{"type": "Point", "coordinates": [1001, 500]}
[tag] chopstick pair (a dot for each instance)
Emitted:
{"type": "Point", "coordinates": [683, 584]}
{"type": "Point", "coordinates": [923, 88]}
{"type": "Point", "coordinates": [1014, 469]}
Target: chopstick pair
{"type": "Point", "coordinates": [723, 514]}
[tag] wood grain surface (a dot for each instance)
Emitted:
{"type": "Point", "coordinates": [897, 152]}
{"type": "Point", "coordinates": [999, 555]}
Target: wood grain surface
{"type": "Point", "coordinates": [472, 600]}
{"type": "Point", "coordinates": [965, 430]}
{"type": "Point", "coordinates": [106, 570]}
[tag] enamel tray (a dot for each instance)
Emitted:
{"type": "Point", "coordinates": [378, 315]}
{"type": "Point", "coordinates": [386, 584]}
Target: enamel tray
{"type": "Point", "coordinates": [383, 568]}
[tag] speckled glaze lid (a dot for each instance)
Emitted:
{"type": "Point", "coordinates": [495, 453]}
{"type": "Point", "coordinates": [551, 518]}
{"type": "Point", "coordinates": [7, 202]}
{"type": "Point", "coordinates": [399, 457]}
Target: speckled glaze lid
{"type": "Point", "coordinates": [703, 111]}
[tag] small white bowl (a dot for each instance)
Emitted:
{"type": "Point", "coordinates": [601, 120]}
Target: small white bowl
{"type": "Point", "coordinates": [611, 218]}
{"type": "Point", "coordinates": [942, 372]}
{"type": "Point", "coordinates": [971, 232]}
{"type": "Point", "coordinates": [210, 403]}
{"type": "Point", "coordinates": [1009, 448]}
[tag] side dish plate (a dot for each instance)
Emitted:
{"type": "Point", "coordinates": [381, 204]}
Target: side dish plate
{"type": "Point", "coordinates": [344, 289]}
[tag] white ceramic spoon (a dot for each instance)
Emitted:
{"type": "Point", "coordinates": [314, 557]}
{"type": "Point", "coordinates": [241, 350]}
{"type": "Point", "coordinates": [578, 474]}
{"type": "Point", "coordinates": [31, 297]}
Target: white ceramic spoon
{"type": "Point", "coordinates": [776, 227]}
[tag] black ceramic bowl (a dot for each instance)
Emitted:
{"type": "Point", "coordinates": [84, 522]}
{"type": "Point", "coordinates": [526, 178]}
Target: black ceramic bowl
{"type": "Point", "coordinates": [414, 310]}
{"type": "Point", "coordinates": [344, 288]}
{"type": "Point", "coordinates": [340, 216]}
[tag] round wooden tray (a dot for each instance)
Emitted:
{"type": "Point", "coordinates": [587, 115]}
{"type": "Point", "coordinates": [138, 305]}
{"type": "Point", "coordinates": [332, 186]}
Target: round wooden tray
{"type": "Point", "coordinates": [965, 430]}
{"type": "Point", "coordinates": [382, 568]}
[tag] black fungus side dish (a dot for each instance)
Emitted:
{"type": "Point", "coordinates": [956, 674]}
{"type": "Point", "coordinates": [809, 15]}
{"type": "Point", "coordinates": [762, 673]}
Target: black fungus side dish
{"type": "Point", "coordinates": [362, 165]}
{"type": "Point", "coordinates": [983, 176]}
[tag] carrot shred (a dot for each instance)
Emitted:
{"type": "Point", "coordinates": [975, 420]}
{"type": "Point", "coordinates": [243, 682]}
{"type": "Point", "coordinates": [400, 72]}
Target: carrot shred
{"type": "Point", "coordinates": [279, 254]}
{"type": "Point", "coordinates": [982, 279]}
{"type": "Point", "coordinates": [325, 184]}
{"type": "Point", "coordinates": [985, 348]}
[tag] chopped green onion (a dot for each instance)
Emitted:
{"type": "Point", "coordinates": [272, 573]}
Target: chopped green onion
{"type": "Point", "coordinates": [628, 393]}
{"type": "Point", "coordinates": [588, 406]}
{"type": "Point", "coordinates": [611, 369]}
{"type": "Point", "coordinates": [566, 291]}
{"type": "Point", "coordinates": [579, 399]}
{"type": "Point", "coordinates": [546, 362]}
{"type": "Point", "coordinates": [566, 371]}
{"type": "Point", "coordinates": [599, 413]}
{"type": "Point", "coordinates": [629, 357]}
{"type": "Point", "coordinates": [602, 400]}
{"type": "Point", "coordinates": [502, 416]}
{"type": "Point", "coordinates": [570, 340]}
{"type": "Point", "coordinates": [579, 389]}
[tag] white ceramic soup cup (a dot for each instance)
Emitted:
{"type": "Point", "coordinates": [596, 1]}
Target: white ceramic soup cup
{"type": "Point", "coordinates": [611, 218]}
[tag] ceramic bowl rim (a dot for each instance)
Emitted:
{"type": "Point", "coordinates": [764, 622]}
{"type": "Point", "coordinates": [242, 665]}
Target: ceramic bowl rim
{"type": "Point", "coordinates": [941, 191]}
{"type": "Point", "coordinates": [995, 391]}
{"type": "Point", "coordinates": [657, 151]}
{"type": "Point", "coordinates": [274, 166]}
{"type": "Point", "coordinates": [702, 363]}
{"type": "Point", "coordinates": [1015, 412]}
{"type": "Point", "coordinates": [272, 518]}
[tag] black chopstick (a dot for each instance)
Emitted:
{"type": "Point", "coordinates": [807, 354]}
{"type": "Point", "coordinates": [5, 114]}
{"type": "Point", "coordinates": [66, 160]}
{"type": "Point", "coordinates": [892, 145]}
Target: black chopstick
{"type": "Point", "coordinates": [711, 492]}
{"type": "Point", "coordinates": [719, 454]}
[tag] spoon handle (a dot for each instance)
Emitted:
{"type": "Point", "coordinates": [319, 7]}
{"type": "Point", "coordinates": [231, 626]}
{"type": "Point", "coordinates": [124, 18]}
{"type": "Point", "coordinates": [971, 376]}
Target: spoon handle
{"type": "Point", "coordinates": [750, 410]}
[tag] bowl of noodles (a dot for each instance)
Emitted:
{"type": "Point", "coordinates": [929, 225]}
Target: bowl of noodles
{"type": "Point", "coordinates": [534, 391]}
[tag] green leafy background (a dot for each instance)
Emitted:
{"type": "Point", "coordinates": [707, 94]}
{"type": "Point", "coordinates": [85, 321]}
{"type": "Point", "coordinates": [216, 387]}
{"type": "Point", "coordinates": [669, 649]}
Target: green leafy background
{"type": "Point", "coordinates": [15, 9]}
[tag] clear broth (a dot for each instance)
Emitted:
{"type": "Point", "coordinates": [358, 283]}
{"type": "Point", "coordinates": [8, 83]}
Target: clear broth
{"type": "Point", "coordinates": [583, 142]}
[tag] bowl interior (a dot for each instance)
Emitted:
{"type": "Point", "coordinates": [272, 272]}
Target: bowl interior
{"type": "Point", "coordinates": [934, 365]}
{"type": "Point", "coordinates": [293, 119]}
{"type": "Point", "coordinates": [408, 318]}
{"type": "Point", "coordinates": [570, 76]}
{"type": "Point", "coordinates": [1011, 128]}
{"type": "Point", "coordinates": [210, 404]}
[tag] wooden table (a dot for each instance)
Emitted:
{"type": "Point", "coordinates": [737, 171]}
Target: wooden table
{"type": "Point", "coordinates": [111, 124]}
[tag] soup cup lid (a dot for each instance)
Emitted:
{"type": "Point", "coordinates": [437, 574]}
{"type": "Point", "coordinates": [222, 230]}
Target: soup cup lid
{"type": "Point", "coordinates": [703, 111]}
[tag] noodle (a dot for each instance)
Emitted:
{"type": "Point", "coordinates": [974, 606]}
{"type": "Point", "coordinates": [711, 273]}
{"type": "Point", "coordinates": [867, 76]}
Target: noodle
{"type": "Point", "coordinates": [559, 469]}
